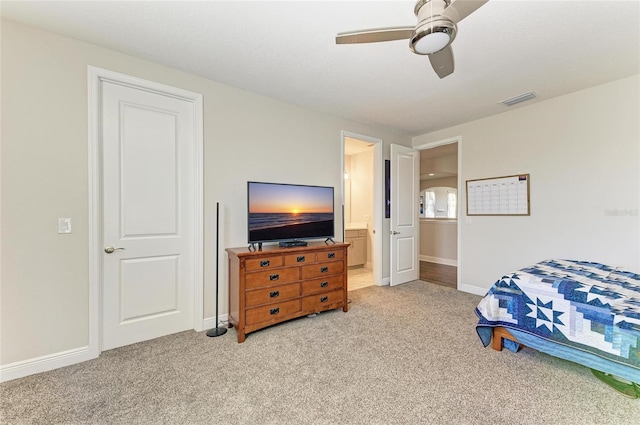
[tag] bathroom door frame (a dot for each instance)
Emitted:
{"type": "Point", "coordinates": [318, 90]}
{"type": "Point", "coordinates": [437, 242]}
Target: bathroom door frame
{"type": "Point", "coordinates": [378, 190]}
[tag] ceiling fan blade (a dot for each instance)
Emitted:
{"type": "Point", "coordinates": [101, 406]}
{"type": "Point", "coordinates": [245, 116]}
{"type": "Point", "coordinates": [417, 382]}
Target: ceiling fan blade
{"type": "Point", "coordinates": [460, 9]}
{"type": "Point", "coordinates": [442, 62]}
{"type": "Point", "coordinates": [374, 35]}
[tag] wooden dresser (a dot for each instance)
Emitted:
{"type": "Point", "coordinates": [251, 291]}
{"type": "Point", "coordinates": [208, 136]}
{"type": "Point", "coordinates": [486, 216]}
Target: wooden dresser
{"type": "Point", "coordinates": [277, 284]}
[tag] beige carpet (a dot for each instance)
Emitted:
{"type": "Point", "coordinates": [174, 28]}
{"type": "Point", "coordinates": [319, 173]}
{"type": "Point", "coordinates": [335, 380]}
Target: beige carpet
{"type": "Point", "coordinates": [402, 355]}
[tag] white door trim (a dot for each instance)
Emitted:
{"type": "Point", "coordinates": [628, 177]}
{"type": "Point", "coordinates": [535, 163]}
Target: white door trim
{"type": "Point", "coordinates": [378, 177]}
{"type": "Point", "coordinates": [461, 191]}
{"type": "Point", "coordinates": [95, 78]}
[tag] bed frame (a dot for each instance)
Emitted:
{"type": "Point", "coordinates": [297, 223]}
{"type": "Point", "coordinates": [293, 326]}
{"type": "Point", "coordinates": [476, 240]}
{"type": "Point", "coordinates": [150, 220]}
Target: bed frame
{"type": "Point", "coordinates": [630, 390]}
{"type": "Point", "coordinates": [499, 334]}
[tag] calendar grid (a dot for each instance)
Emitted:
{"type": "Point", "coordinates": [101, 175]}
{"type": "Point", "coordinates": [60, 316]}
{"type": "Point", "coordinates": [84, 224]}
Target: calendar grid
{"type": "Point", "coordinates": [508, 195]}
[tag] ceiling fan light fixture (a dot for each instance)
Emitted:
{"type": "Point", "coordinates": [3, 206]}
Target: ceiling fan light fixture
{"type": "Point", "coordinates": [431, 43]}
{"type": "Point", "coordinates": [432, 36]}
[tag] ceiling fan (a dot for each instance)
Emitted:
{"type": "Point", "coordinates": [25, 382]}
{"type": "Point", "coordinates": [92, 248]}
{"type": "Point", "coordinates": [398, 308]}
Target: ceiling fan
{"type": "Point", "coordinates": [432, 36]}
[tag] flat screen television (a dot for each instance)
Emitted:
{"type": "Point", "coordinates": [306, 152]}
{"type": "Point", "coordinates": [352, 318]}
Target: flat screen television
{"type": "Point", "coordinates": [289, 213]}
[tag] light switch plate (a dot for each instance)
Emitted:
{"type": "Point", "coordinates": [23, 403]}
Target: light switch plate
{"type": "Point", "coordinates": [64, 225]}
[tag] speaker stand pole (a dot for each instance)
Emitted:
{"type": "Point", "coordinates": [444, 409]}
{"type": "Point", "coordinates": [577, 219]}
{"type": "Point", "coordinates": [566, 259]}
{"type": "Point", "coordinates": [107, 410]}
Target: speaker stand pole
{"type": "Point", "coordinates": [217, 331]}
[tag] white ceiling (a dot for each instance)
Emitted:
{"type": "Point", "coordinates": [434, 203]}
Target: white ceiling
{"type": "Point", "coordinates": [286, 50]}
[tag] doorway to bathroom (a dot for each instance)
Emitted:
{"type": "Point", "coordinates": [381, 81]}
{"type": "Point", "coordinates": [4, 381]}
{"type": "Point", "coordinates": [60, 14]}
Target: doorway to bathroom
{"type": "Point", "coordinates": [361, 216]}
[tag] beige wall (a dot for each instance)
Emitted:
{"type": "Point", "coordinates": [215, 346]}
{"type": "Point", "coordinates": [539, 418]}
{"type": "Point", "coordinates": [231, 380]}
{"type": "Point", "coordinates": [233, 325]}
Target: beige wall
{"type": "Point", "coordinates": [442, 182]}
{"type": "Point", "coordinates": [44, 286]}
{"type": "Point", "coordinates": [361, 181]}
{"type": "Point", "coordinates": [347, 190]}
{"type": "Point", "coordinates": [440, 164]}
{"type": "Point", "coordinates": [439, 241]}
{"type": "Point", "coordinates": [583, 153]}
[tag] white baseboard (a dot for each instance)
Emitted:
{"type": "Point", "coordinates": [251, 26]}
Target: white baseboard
{"type": "Point", "coordinates": [67, 358]}
{"type": "Point", "coordinates": [437, 260]}
{"type": "Point", "coordinates": [45, 363]}
{"type": "Point", "coordinates": [210, 322]}
{"type": "Point", "coordinates": [386, 281]}
{"type": "Point", "coordinates": [476, 290]}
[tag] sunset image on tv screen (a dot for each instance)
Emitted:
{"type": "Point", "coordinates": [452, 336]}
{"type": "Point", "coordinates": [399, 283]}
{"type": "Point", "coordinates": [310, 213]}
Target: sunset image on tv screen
{"type": "Point", "coordinates": [284, 211]}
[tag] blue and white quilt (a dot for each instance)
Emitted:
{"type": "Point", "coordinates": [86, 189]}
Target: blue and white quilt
{"type": "Point", "coordinates": [581, 305]}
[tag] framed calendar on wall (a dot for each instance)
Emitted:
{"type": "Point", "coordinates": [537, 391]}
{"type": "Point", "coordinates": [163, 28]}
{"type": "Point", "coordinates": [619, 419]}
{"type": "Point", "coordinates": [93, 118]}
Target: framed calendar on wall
{"type": "Point", "coordinates": [508, 195]}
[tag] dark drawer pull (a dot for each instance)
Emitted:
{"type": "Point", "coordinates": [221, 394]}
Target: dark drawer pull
{"type": "Point", "coordinates": [324, 299]}
{"type": "Point", "coordinates": [274, 276]}
{"type": "Point", "coordinates": [331, 255]}
{"type": "Point", "coordinates": [274, 294]}
{"type": "Point", "coordinates": [324, 269]}
{"type": "Point", "coordinates": [265, 263]}
{"type": "Point", "coordinates": [300, 259]}
{"type": "Point", "coordinates": [324, 284]}
{"type": "Point", "coordinates": [274, 310]}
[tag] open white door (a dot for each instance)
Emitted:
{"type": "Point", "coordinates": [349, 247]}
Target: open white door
{"type": "Point", "coordinates": [405, 229]}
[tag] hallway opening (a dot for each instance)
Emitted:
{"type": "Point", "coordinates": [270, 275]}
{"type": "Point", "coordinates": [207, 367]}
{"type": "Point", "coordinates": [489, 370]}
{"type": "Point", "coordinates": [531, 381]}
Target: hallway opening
{"type": "Point", "coordinates": [438, 212]}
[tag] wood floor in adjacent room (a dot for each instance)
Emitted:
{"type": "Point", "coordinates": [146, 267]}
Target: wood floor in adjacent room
{"type": "Point", "coordinates": [439, 273]}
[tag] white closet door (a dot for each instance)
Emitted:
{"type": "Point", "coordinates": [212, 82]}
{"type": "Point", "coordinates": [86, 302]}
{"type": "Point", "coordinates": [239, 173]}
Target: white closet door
{"type": "Point", "coordinates": [148, 214]}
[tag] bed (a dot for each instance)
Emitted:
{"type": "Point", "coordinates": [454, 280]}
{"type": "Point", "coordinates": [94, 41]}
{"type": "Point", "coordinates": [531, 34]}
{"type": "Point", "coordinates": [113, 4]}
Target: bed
{"type": "Point", "coordinates": [585, 312]}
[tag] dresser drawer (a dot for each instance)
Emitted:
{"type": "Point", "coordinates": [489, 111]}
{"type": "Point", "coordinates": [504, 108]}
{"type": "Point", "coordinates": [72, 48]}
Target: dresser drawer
{"type": "Point", "coordinates": [331, 283]}
{"type": "Point", "coordinates": [334, 254]}
{"type": "Point", "coordinates": [322, 269]}
{"type": "Point", "coordinates": [263, 263]}
{"type": "Point", "coordinates": [272, 277]}
{"type": "Point", "coordinates": [328, 300]}
{"type": "Point", "coordinates": [299, 259]}
{"type": "Point", "coordinates": [273, 294]}
{"type": "Point", "coordinates": [272, 312]}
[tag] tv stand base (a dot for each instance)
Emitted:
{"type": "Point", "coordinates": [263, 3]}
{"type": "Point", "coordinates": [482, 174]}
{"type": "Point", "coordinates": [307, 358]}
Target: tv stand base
{"type": "Point", "coordinates": [289, 244]}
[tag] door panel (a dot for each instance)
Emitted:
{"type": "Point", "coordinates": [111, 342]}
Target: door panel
{"type": "Point", "coordinates": [149, 190]}
{"type": "Point", "coordinates": [140, 277]}
{"type": "Point", "coordinates": [148, 214]}
{"type": "Point", "coordinates": [405, 229]}
{"type": "Point", "coordinates": [405, 252]}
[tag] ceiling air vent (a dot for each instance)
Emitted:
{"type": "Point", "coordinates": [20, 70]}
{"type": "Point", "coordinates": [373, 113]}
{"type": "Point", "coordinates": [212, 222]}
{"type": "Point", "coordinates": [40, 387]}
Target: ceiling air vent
{"type": "Point", "coordinates": [520, 98]}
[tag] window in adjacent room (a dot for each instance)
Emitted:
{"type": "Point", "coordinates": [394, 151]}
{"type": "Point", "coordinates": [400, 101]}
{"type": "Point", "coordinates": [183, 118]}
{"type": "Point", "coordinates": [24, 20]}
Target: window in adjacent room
{"type": "Point", "coordinates": [430, 204]}
{"type": "Point", "coordinates": [452, 204]}
{"type": "Point", "coordinates": [439, 202]}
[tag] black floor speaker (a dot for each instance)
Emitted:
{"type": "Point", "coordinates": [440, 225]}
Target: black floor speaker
{"type": "Point", "coordinates": [217, 331]}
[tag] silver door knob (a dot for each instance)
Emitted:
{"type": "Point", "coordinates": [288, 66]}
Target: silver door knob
{"type": "Point", "coordinates": [111, 250]}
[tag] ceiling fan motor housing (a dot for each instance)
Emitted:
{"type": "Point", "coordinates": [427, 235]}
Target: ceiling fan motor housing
{"type": "Point", "coordinates": [434, 31]}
